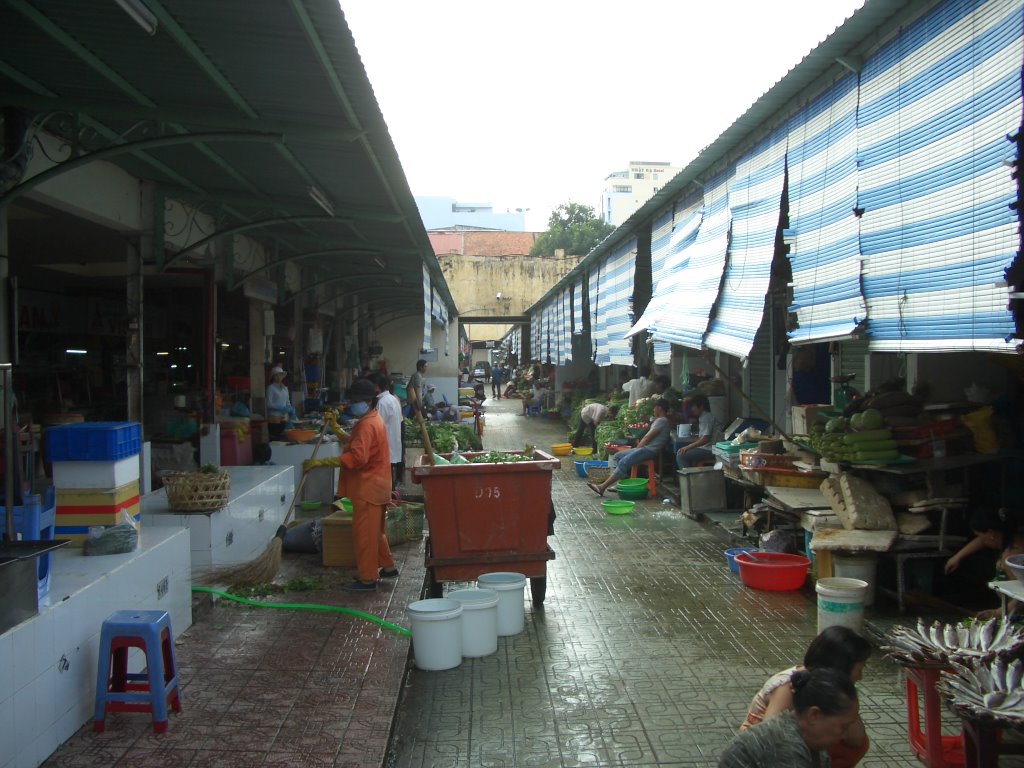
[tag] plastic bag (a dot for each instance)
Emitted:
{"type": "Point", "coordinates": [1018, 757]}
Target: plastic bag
{"type": "Point", "coordinates": [306, 538]}
{"type": "Point", "coordinates": [979, 422]}
{"type": "Point", "coordinates": [112, 539]}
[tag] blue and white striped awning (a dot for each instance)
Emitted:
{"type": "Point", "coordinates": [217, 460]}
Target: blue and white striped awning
{"type": "Point", "coordinates": [693, 286]}
{"type": "Point", "coordinates": [427, 301]}
{"type": "Point", "coordinates": [661, 232]}
{"type": "Point", "coordinates": [755, 196]}
{"type": "Point", "coordinates": [577, 307]}
{"type": "Point", "coordinates": [598, 331]}
{"type": "Point", "coordinates": [613, 309]}
{"type": "Point", "coordinates": [824, 250]}
{"type": "Point", "coordinates": [937, 233]}
{"type": "Point", "coordinates": [565, 327]}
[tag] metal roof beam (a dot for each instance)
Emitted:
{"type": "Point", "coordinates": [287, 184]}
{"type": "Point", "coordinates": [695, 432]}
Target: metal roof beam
{"type": "Point", "coordinates": [392, 290]}
{"type": "Point", "coordinates": [355, 214]}
{"type": "Point", "coordinates": [127, 147]}
{"type": "Point", "coordinates": [238, 229]}
{"type": "Point", "coordinates": [49, 102]}
{"type": "Point", "coordinates": [234, 283]}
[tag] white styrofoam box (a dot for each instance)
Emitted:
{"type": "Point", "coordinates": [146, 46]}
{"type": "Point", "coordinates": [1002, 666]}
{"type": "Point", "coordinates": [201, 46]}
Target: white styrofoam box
{"type": "Point", "coordinates": [102, 475]}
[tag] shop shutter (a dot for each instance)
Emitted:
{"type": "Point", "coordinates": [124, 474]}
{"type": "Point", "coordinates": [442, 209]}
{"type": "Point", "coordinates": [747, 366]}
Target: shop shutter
{"type": "Point", "coordinates": [852, 359]}
{"type": "Point", "coordinates": [577, 307]}
{"type": "Point", "coordinates": [761, 372]}
{"type": "Point", "coordinates": [755, 193]}
{"type": "Point", "coordinates": [824, 252]}
{"type": "Point", "coordinates": [937, 104]}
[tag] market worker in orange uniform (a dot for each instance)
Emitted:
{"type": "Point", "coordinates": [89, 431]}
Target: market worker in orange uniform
{"type": "Point", "coordinates": [366, 480]}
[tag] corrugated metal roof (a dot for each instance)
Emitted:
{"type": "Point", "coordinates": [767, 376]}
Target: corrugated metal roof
{"type": "Point", "coordinates": [865, 28]}
{"type": "Point", "coordinates": [282, 67]}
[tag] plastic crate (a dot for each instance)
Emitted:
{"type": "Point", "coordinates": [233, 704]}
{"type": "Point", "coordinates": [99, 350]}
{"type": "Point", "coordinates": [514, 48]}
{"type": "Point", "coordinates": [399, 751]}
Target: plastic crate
{"type": "Point", "coordinates": [34, 521]}
{"type": "Point", "coordinates": [755, 460]}
{"type": "Point", "coordinates": [784, 478]}
{"type": "Point", "coordinates": [93, 441]}
{"type": "Point", "coordinates": [728, 447]}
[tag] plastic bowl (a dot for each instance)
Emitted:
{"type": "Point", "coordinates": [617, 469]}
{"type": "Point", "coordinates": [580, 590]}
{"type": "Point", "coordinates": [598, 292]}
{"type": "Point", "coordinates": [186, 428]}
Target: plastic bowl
{"type": "Point", "coordinates": [583, 451]}
{"type": "Point", "coordinates": [730, 556]}
{"type": "Point", "coordinates": [581, 468]}
{"type": "Point", "coordinates": [310, 505]}
{"type": "Point", "coordinates": [561, 449]}
{"type": "Point", "coordinates": [345, 503]}
{"type": "Point", "coordinates": [773, 571]}
{"type": "Point", "coordinates": [1015, 564]}
{"type": "Point", "coordinates": [632, 483]}
{"type": "Point", "coordinates": [617, 507]}
{"type": "Point", "coordinates": [299, 435]}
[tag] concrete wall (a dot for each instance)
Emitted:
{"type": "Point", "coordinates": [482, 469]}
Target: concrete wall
{"type": "Point", "coordinates": [475, 281]}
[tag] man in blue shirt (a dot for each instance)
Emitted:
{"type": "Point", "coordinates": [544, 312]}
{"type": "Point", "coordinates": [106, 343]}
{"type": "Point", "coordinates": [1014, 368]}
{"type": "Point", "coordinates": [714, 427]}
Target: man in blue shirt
{"type": "Point", "coordinates": [649, 448]}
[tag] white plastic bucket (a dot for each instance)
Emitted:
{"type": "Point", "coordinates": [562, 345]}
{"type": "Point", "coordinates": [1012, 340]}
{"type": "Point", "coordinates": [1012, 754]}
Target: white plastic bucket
{"type": "Point", "coordinates": [511, 612]}
{"type": "Point", "coordinates": [841, 603]}
{"type": "Point", "coordinates": [682, 430]}
{"type": "Point", "coordinates": [479, 621]}
{"type": "Point", "coordinates": [863, 567]}
{"type": "Point", "coordinates": [436, 633]}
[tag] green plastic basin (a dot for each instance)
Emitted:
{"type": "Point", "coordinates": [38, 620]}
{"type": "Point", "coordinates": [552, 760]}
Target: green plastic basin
{"type": "Point", "coordinates": [617, 507]}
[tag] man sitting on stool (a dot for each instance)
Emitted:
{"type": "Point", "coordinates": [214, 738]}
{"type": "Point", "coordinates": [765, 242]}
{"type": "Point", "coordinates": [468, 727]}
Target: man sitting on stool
{"type": "Point", "coordinates": [709, 432]}
{"type": "Point", "coordinates": [648, 449]}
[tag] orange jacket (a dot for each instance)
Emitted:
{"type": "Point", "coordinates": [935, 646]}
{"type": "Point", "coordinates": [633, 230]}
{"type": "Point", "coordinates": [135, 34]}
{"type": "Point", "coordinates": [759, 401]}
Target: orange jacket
{"type": "Point", "coordinates": [366, 462]}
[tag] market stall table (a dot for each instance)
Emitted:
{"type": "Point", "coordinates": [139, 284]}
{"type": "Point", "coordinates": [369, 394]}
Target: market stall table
{"type": "Point", "coordinates": [1007, 590]}
{"type": "Point", "coordinates": [322, 482]}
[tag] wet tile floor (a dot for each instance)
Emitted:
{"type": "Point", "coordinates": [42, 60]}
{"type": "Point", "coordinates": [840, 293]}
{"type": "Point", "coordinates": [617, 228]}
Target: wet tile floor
{"type": "Point", "coordinates": [646, 653]}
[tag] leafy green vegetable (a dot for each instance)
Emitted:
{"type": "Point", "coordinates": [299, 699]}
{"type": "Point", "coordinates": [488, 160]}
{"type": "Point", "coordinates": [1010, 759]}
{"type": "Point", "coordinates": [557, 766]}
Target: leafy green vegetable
{"type": "Point", "coordinates": [498, 457]}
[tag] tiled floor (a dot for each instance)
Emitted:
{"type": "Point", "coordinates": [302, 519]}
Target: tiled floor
{"type": "Point", "coordinates": [646, 652]}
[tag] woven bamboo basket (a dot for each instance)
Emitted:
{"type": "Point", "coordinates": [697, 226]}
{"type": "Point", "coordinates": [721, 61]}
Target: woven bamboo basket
{"type": "Point", "coordinates": [598, 474]}
{"type": "Point", "coordinates": [197, 491]}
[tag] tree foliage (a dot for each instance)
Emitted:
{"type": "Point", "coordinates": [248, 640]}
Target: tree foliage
{"type": "Point", "coordinates": [573, 227]}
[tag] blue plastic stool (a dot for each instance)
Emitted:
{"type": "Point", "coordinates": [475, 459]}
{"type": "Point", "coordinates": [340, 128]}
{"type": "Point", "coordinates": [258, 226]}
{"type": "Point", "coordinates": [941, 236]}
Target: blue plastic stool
{"type": "Point", "coordinates": [118, 690]}
{"type": "Point", "coordinates": [533, 410]}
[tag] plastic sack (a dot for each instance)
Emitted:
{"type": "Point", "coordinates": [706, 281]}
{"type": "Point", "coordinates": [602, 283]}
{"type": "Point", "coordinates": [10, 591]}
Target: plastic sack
{"type": "Point", "coordinates": [979, 422]}
{"type": "Point", "coordinates": [305, 538]}
{"type": "Point", "coordinates": [112, 539]}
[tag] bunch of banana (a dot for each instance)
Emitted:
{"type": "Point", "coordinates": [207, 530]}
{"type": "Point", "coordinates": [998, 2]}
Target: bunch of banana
{"type": "Point", "coordinates": [938, 643]}
{"type": "Point", "coordinates": [987, 689]}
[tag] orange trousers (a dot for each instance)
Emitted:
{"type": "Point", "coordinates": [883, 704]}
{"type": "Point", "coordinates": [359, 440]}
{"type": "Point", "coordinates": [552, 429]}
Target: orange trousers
{"type": "Point", "coordinates": [369, 540]}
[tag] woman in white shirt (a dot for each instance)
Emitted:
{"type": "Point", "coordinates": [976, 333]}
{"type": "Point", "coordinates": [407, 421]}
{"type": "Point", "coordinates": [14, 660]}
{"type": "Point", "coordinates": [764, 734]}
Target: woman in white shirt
{"type": "Point", "coordinates": [279, 404]}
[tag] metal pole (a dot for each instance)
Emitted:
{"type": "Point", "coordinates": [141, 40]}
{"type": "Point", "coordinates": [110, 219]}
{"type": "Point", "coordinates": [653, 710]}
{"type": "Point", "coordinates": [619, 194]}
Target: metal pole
{"type": "Point", "coordinates": [9, 455]}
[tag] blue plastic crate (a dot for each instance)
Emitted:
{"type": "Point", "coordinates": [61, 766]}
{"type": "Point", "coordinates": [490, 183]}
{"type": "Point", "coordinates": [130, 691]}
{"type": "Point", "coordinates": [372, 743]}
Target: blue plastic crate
{"type": "Point", "coordinates": [93, 441]}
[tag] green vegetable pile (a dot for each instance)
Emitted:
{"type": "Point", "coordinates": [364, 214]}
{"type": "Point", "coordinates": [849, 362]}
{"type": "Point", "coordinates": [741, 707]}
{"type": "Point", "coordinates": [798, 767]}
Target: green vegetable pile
{"type": "Point", "coordinates": [444, 434]}
{"type": "Point", "coordinates": [497, 457]}
{"type": "Point", "coordinates": [862, 438]}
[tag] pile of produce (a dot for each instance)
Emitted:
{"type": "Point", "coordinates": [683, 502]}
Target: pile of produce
{"type": "Point", "coordinates": [445, 434]}
{"type": "Point", "coordinates": [862, 437]}
{"type": "Point", "coordinates": [497, 457]}
{"type": "Point", "coordinates": [897, 407]}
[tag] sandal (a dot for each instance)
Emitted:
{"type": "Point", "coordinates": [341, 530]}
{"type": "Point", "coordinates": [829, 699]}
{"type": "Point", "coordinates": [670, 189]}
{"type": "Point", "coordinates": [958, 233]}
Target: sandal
{"type": "Point", "coordinates": [594, 488]}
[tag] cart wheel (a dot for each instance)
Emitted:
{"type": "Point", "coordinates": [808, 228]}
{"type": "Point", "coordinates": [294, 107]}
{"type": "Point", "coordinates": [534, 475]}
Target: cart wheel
{"type": "Point", "coordinates": [538, 587]}
{"type": "Point", "coordinates": [434, 588]}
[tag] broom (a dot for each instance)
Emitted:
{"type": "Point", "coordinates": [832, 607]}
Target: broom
{"type": "Point", "coordinates": [264, 567]}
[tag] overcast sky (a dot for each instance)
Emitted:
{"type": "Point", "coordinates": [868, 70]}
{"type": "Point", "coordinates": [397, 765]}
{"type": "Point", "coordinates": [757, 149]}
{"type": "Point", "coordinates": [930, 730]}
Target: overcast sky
{"type": "Point", "coordinates": [533, 103]}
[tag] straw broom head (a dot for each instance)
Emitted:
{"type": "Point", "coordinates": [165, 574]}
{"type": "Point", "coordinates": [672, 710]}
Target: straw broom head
{"type": "Point", "coordinates": [260, 570]}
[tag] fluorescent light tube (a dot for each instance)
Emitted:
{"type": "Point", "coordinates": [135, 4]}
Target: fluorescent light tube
{"type": "Point", "coordinates": [140, 14]}
{"type": "Point", "coordinates": [320, 199]}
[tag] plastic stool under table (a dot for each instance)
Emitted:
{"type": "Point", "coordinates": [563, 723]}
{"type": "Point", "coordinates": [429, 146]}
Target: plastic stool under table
{"type": "Point", "coordinates": [930, 746]}
{"type": "Point", "coordinates": [652, 487]}
{"type": "Point", "coordinates": [117, 689]}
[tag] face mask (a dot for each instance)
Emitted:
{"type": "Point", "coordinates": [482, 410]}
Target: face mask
{"type": "Point", "coordinates": [359, 409]}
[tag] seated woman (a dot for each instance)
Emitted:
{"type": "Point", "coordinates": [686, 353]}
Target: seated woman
{"type": "Point", "coordinates": [536, 396]}
{"type": "Point", "coordinates": [648, 449]}
{"type": "Point", "coordinates": [996, 530]}
{"type": "Point", "coordinates": [824, 709]}
{"type": "Point", "coordinates": [837, 648]}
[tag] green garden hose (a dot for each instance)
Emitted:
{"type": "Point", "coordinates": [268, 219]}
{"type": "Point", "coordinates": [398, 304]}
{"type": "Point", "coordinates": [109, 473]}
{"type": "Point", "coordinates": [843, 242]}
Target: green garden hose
{"type": "Point", "coordinates": [314, 607]}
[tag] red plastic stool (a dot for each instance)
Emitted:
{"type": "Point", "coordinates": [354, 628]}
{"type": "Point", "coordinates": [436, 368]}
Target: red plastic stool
{"type": "Point", "coordinates": [936, 750]}
{"type": "Point", "coordinates": [652, 488]}
{"type": "Point", "coordinates": [117, 689]}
